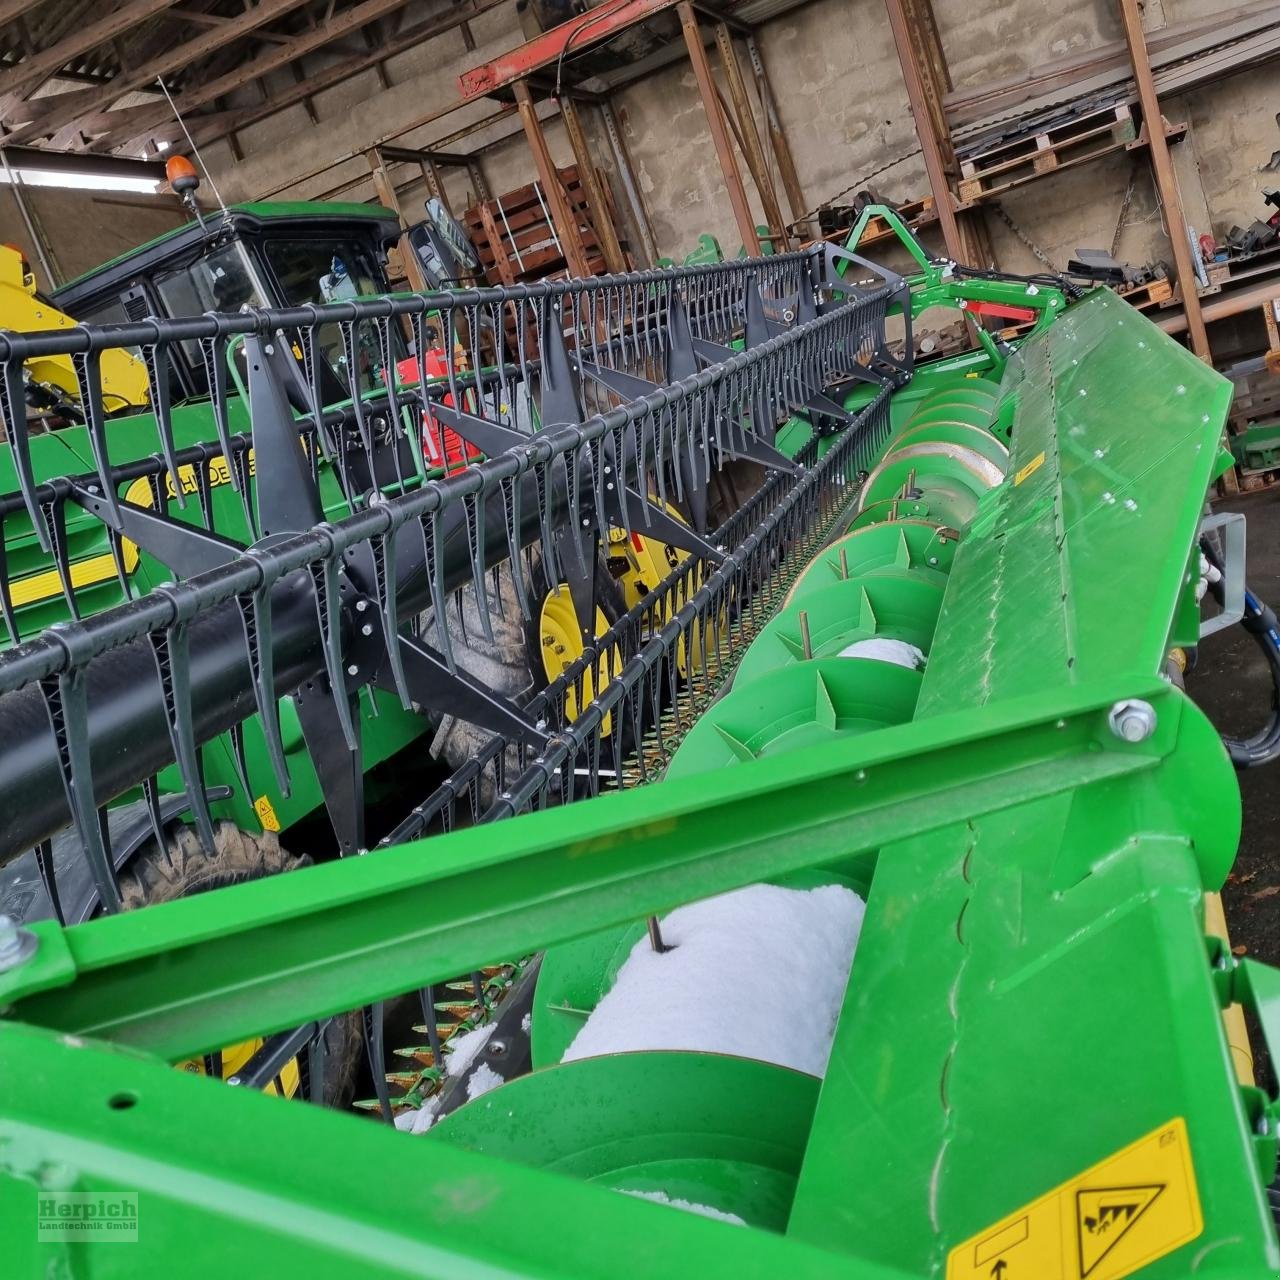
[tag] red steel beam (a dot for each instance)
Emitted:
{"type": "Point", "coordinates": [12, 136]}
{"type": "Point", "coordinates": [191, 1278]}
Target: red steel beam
{"type": "Point", "coordinates": [546, 50]}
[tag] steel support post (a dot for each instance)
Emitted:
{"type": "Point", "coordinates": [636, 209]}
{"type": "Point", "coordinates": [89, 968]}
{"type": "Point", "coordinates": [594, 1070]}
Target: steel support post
{"type": "Point", "coordinates": [1166, 179]}
{"type": "Point", "coordinates": [719, 131]}
{"type": "Point", "coordinates": [777, 138]}
{"type": "Point", "coordinates": [749, 135]}
{"type": "Point", "coordinates": [627, 173]}
{"type": "Point", "coordinates": [601, 217]}
{"type": "Point", "coordinates": [931, 144]}
{"type": "Point", "coordinates": [566, 224]}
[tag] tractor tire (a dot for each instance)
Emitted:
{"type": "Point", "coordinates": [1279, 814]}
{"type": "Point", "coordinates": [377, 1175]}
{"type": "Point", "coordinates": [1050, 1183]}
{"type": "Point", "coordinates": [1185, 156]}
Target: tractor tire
{"type": "Point", "coordinates": [182, 868]}
{"type": "Point", "coordinates": [502, 664]}
{"type": "Point", "coordinates": [511, 664]}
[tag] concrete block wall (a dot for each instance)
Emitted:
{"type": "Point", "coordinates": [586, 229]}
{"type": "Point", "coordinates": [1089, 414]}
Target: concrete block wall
{"type": "Point", "coordinates": [80, 230]}
{"type": "Point", "coordinates": [843, 106]}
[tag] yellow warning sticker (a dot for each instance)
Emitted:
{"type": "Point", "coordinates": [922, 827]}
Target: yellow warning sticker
{"type": "Point", "coordinates": [1103, 1224]}
{"type": "Point", "coordinates": [1030, 469]}
{"type": "Point", "coordinates": [263, 807]}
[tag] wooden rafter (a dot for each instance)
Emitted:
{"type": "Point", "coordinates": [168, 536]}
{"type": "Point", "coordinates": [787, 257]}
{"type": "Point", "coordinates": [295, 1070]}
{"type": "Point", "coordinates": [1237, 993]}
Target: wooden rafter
{"type": "Point", "coordinates": [29, 74]}
{"type": "Point", "coordinates": [210, 127]}
{"type": "Point", "coordinates": [340, 25]}
{"type": "Point", "coordinates": [66, 108]}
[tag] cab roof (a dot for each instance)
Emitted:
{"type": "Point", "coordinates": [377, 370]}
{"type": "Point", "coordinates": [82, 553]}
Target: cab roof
{"type": "Point", "coordinates": [249, 217]}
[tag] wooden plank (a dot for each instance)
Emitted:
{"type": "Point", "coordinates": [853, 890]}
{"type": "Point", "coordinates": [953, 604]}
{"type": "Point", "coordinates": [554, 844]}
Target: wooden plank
{"type": "Point", "coordinates": [593, 188]}
{"type": "Point", "coordinates": [497, 250]}
{"type": "Point", "coordinates": [566, 225]}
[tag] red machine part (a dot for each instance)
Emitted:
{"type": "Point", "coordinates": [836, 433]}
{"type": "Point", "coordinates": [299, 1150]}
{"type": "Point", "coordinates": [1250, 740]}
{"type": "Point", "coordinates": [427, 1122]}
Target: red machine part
{"type": "Point", "coordinates": [597, 24]}
{"type": "Point", "coordinates": [442, 446]}
{"type": "Point", "coordinates": [998, 310]}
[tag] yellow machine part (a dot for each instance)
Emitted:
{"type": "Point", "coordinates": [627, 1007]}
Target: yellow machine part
{"type": "Point", "coordinates": [562, 645]}
{"type": "Point", "coordinates": [285, 1084]}
{"type": "Point", "coordinates": [648, 562]}
{"type": "Point", "coordinates": [124, 377]}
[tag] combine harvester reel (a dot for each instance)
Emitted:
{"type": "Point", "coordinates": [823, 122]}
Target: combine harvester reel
{"type": "Point", "coordinates": [901, 970]}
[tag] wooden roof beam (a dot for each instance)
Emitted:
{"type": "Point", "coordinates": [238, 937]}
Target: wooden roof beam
{"type": "Point", "coordinates": [340, 25]}
{"type": "Point", "coordinates": [31, 73]}
{"type": "Point", "coordinates": [209, 128]}
{"type": "Point", "coordinates": [67, 108]}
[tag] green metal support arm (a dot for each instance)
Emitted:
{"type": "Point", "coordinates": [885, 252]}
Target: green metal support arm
{"type": "Point", "coordinates": [189, 976]}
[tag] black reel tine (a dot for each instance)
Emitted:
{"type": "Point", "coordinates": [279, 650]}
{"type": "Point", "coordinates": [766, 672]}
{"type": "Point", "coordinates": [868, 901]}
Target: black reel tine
{"type": "Point", "coordinates": [55, 517]}
{"type": "Point", "coordinates": [473, 518]}
{"type": "Point", "coordinates": [542, 484]}
{"type": "Point", "coordinates": [88, 371]}
{"type": "Point", "coordinates": [255, 615]}
{"type": "Point", "coordinates": [384, 576]}
{"type": "Point", "coordinates": [239, 760]}
{"type": "Point", "coordinates": [324, 583]}
{"type": "Point", "coordinates": [433, 557]}
{"type": "Point", "coordinates": [213, 351]}
{"type": "Point", "coordinates": [372, 1025]}
{"type": "Point", "coordinates": [155, 358]}
{"type": "Point", "coordinates": [6, 591]}
{"type": "Point", "coordinates": [151, 798]}
{"type": "Point", "coordinates": [510, 492]}
{"type": "Point", "coordinates": [66, 702]}
{"type": "Point", "coordinates": [351, 355]}
{"type": "Point", "coordinates": [308, 344]}
{"type": "Point", "coordinates": [49, 878]}
{"type": "Point", "coordinates": [115, 544]}
{"type": "Point", "coordinates": [13, 409]}
{"type": "Point", "coordinates": [204, 492]}
{"type": "Point", "coordinates": [173, 665]}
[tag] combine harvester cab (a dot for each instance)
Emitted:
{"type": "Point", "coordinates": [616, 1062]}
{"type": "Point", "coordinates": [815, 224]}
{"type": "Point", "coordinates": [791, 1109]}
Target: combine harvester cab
{"type": "Point", "coordinates": [845, 985]}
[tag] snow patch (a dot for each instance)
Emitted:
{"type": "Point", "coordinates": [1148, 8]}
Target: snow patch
{"type": "Point", "coordinates": [881, 649]}
{"type": "Point", "coordinates": [481, 1080]}
{"type": "Point", "coordinates": [421, 1120]}
{"type": "Point", "coordinates": [743, 967]}
{"type": "Point", "coordinates": [462, 1049]}
{"type": "Point", "coordinates": [706, 1210]}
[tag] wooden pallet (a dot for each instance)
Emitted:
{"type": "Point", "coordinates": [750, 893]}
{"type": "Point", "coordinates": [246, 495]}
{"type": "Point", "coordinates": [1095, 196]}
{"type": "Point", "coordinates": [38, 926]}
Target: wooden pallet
{"type": "Point", "coordinates": [1017, 161]}
{"type": "Point", "coordinates": [515, 238]}
{"type": "Point", "coordinates": [1154, 293]}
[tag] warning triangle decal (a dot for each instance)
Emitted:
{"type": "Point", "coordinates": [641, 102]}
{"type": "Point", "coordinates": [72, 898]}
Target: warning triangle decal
{"type": "Point", "coordinates": [1105, 1215]}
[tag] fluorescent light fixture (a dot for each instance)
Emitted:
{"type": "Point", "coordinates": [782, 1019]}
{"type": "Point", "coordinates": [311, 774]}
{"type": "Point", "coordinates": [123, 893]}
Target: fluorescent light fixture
{"type": "Point", "coordinates": [81, 181]}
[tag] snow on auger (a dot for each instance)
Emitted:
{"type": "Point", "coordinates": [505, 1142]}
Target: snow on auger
{"type": "Point", "coordinates": [838, 986]}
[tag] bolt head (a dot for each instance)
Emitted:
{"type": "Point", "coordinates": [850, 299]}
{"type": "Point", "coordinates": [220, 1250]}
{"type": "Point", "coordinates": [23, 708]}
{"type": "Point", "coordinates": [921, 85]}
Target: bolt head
{"type": "Point", "coordinates": [17, 945]}
{"type": "Point", "coordinates": [353, 670]}
{"type": "Point", "coordinates": [1132, 720]}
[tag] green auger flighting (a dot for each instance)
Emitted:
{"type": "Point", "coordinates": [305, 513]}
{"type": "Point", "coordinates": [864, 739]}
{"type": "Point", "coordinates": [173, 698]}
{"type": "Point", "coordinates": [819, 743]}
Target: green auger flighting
{"type": "Point", "coordinates": [908, 964]}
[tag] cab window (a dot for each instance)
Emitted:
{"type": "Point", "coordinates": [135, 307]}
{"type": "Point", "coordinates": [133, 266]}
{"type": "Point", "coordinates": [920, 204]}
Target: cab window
{"type": "Point", "coordinates": [319, 271]}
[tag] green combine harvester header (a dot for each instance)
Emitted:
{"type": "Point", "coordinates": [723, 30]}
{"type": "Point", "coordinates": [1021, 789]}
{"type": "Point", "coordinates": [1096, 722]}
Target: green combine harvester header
{"type": "Point", "coordinates": [851, 904]}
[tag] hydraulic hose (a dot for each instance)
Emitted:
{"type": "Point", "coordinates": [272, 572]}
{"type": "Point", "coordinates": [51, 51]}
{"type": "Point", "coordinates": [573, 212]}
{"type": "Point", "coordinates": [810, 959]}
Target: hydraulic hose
{"type": "Point", "coordinates": [1262, 624]}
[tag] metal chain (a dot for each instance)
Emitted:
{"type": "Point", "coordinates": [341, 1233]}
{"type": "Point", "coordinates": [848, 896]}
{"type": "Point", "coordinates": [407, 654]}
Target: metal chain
{"type": "Point", "coordinates": [853, 186]}
{"type": "Point", "coordinates": [999, 210]}
{"type": "Point", "coordinates": [1124, 209]}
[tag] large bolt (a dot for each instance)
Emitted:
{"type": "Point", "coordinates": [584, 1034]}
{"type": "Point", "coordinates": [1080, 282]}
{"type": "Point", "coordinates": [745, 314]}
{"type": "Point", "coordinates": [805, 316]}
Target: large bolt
{"type": "Point", "coordinates": [1132, 720]}
{"type": "Point", "coordinates": [17, 945]}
